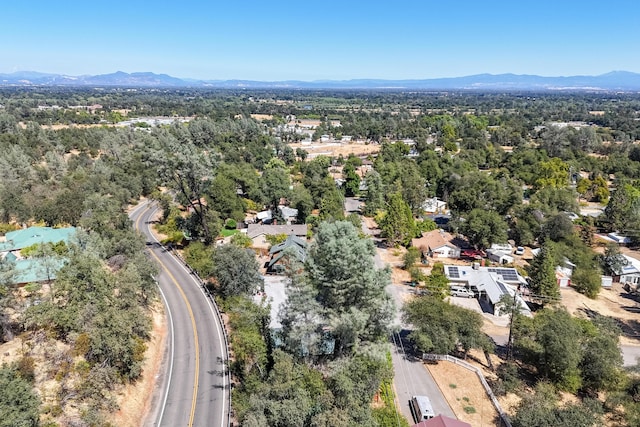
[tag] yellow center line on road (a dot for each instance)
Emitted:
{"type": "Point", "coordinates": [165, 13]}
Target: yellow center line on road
{"type": "Point", "coordinates": [193, 325]}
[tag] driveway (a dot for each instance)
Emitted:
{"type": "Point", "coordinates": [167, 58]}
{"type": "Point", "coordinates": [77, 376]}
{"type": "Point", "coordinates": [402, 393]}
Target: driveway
{"type": "Point", "coordinates": [411, 376]}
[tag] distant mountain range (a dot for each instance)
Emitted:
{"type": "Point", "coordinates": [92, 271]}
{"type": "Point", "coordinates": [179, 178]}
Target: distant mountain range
{"type": "Point", "coordinates": [613, 81]}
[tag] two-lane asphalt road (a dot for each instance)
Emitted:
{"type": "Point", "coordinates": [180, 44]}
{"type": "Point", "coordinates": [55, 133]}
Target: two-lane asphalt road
{"type": "Point", "coordinates": [193, 387]}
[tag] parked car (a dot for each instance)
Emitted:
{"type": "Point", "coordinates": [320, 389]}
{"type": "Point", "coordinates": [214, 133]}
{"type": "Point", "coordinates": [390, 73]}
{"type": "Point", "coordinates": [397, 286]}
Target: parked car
{"type": "Point", "coordinates": [461, 291]}
{"type": "Point", "coordinates": [519, 250]}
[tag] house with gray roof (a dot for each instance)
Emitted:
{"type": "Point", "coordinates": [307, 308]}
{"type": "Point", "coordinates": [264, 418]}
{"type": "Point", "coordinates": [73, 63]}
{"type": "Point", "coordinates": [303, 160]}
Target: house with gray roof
{"type": "Point", "coordinates": [294, 245]}
{"type": "Point", "coordinates": [489, 283]}
{"type": "Point", "coordinates": [258, 233]}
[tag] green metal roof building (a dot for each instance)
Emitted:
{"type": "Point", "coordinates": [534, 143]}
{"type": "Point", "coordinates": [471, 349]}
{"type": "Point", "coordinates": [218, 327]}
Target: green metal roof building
{"type": "Point", "coordinates": [15, 240]}
{"type": "Point", "coordinates": [34, 269]}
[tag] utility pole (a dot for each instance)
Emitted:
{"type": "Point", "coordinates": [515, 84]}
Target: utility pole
{"type": "Point", "coordinates": [514, 307]}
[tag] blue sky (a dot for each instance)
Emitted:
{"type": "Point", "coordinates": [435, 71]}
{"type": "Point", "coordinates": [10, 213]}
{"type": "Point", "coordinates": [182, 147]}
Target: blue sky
{"type": "Point", "coordinates": [316, 40]}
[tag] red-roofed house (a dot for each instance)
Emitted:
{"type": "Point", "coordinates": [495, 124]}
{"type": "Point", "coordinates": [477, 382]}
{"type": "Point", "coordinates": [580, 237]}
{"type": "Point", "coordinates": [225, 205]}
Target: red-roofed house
{"type": "Point", "coordinates": [442, 421]}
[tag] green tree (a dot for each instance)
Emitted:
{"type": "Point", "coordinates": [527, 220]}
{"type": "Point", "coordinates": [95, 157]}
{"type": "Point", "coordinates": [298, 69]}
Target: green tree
{"type": "Point", "coordinates": [587, 281]}
{"type": "Point", "coordinates": [341, 267]}
{"type": "Point", "coordinates": [352, 180]}
{"type": "Point", "coordinates": [241, 240]}
{"type": "Point", "coordinates": [223, 198]}
{"type": "Point", "coordinates": [301, 200]}
{"type": "Point", "coordinates": [622, 211]}
{"type": "Point", "coordinates": [550, 200]}
{"type": "Point", "coordinates": [7, 275]}
{"type": "Point", "coordinates": [601, 363]}
{"type": "Point", "coordinates": [332, 205]}
{"type": "Point", "coordinates": [301, 316]}
{"type": "Point", "coordinates": [437, 283]}
{"type": "Point", "coordinates": [583, 187]}
{"type": "Point", "coordinates": [411, 257]}
{"type": "Point", "coordinates": [553, 173]}
{"type": "Point", "coordinates": [559, 338]}
{"type": "Point", "coordinates": [443, 328]}
{"type": "Point", "coordinates": [540, 409]}
{"type": "Point", "coordinates": [558, 227]}
{"type": "Point", "coordinates": [612, 260]}
{"type": "Point", "coordinates": [200, 258]}
{"type": "Point", "coordinates": [19, 404]}
{"type": "Point", "coordinates": [398, 225]}
{"type": "Point", "coordinates": [483, 228]}
{"type": "Point", "coordinates": [236, 271]}
{"type": "Point", "coordinates": [374, 199]}
{"type": "Point", "coordinates": [543, 276]}
{"type": "Point", "coordinates": [188, 170]}
{"type": "Point", "coordinates": [275, 185]}
{"type": "Point", "coordinates": [413, 187]}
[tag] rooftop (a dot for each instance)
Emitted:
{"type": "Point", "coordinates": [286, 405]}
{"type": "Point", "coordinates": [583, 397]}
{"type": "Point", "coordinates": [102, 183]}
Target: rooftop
{"type": "Point", "coordinates": [495, 282]}
{"type": "Point", "coordinates": [15, 240]}
{"type": "Point", "coordinates": [34, 270]}
{"type": "Point", "coordinates": [442, 421]}
{"type": "Point", "coordinates": [433, 240]}
{"type": "Point", "coordinates": [255, 230]}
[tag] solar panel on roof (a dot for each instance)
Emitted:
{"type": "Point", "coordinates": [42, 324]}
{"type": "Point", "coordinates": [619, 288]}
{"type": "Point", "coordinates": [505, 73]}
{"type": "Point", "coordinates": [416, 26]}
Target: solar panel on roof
{"type": "Point", "coordinates": [454, 273]}
{"type": "Point", "coordinates": [492, 270]}
{"type": "Point", "coordinates": [508, 274]}
{"type": "Point", "coordinates": [502, 287]}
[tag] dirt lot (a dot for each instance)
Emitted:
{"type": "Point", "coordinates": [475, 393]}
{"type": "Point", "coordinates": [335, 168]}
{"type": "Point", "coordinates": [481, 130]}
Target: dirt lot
{"type": "Point", "coordinates": [615, 303]}
{"type": "Point", "coordinates": [334, 149]}
{"type": "Point", "coordinates": [465, 394]}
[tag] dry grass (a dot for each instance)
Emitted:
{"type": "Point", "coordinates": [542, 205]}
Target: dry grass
{"type": "Point", "coordinates": [135, 399]}
{"type": "Point", "coordinates": [335, 149]}
{"type": "Point", "coordinates": [463, 389]}
{"type": "Point", "coordinates": [615, 303]}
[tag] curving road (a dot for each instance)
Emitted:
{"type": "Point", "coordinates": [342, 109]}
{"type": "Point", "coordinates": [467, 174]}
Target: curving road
{"type": "Point", "coordinates": [193, 386]}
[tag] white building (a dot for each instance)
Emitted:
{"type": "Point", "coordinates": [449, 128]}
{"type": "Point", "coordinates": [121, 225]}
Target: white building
{"type": "Point", "coordinates": [490, 284]}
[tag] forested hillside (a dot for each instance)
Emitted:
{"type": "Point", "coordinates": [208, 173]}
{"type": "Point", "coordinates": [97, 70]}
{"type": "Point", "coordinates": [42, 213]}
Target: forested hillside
{"type": "Point", "coordinates": [509, 166]}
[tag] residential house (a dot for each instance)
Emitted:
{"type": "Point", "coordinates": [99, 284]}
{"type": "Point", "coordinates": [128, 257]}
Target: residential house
{"type": "Point", "coordinates": [489, 284]}
{"type": "Point", "coordinates": [500, 253]}
{"type": "Point", "coordinates": [442, 421]}
{"type": "Point", "coordinates": [258, 233]}
{"type": "Point", "coordinates": [628, 273]}
{"type": "Point", "coordinates": [438, 244]}
{"type": "Point", "coordinates": [293, 245]}
{"type": "Point", "coordinates": [435, 206]}
{"type": "Point", "coordinates": [33, 269]}
{"type": "Point", "coordinates": [288, 214]}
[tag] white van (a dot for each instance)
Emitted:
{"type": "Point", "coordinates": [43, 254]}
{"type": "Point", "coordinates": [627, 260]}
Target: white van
{"type": "Point", "coordinates": [421, 408]}
{"type": "Point", "coordinates": [461, 291]}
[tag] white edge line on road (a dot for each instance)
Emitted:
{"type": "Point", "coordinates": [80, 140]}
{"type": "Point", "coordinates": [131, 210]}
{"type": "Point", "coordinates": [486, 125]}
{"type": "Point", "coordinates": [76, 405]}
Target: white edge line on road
{"type": "Point", "coordinates": [222, 347]}
{"type": "Point", "coordinates": [171, 354]}
{"type": "Point", "coordinates": [166, 392]}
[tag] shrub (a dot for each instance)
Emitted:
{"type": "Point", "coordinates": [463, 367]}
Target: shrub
{"type": "Point", "coordinates": [230, 224]}
{"type": "Point", "coordinates": [411, 257]}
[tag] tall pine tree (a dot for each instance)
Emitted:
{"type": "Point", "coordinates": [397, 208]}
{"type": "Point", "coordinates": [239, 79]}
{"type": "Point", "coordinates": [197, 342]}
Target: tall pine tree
{"type": "Point", "coordinates": [398, 225]}
{"type": "Point", "coordinates": [543, 276]}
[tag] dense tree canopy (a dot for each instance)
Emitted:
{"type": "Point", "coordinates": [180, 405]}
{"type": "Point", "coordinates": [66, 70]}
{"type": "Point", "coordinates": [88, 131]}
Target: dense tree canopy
{"type": "Point", "coordinates": [443, 328]}
{"type": "Point", "coordinates": [236, 271]}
